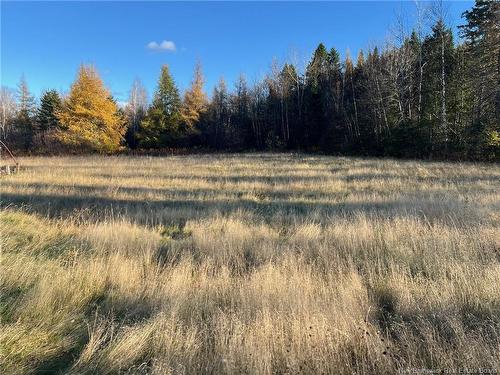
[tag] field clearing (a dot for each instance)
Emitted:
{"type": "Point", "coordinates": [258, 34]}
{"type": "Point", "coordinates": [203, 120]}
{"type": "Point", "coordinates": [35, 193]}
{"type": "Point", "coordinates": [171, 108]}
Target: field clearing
{"type": "Point", "coordinates": [250, 263]}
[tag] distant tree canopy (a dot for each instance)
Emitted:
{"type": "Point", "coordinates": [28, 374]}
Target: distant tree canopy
{"type": "Point", "coordinates": [425, 96]}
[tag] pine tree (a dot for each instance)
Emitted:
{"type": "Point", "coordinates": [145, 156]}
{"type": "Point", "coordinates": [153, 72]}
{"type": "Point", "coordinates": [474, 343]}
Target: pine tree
{"type": "Point", "coordinates": [89, 118]}
{"type": "Point", "coordinates": [195, 100]}
{"type": "Point", "coordinates": [161, 126]}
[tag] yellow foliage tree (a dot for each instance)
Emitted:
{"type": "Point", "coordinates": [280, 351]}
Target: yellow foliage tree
{"type": "Point", "coordinates": [195, 100]}
{"type": "Point", "coordinates": [90, 118]}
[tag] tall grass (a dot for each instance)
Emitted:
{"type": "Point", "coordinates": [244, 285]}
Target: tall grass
{"type": "Point", "coordinates": [249, 264]}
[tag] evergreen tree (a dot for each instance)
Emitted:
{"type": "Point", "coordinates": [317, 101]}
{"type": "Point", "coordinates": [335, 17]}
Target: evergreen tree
{"type": "Point", "coordinates": [160, 127]}
{"type": "Point", "coordinates": [241, 115]}
{"type": "Point", "coordinates": [89, 117]}
{"type": "Point", "coordinates": [316, 97]}
{"type": "Point", "coordinates": [482, 36]}
{"type": "Point", "coordinates": [373, 101]}
{"type": "Point", "coordinates": [335, 131]}
{"type": "Point", "coordinates": [350, 103]}
{"type": "Point", "coordinates": [24, 122]}
{"type": "Point", "coordinates": [221, 116]}
{"type": "Point", "coordinates": [47, 120]}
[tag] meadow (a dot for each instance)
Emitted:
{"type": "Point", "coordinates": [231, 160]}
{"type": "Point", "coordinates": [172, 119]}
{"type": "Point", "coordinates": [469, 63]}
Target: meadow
{"type": "Point", "coordinates": [249, 263]}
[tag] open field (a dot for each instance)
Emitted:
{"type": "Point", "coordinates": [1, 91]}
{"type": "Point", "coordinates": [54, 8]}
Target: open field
{"type": "Point", "coordinates": [271, 263]}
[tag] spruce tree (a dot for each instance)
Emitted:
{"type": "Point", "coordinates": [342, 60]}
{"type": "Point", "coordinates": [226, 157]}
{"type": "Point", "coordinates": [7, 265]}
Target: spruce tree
{"type": "Point", "coordinates": [335, 127]}
{"type": "Point", "coordinates": [482, 39]}
{"type": "Point", "coordinates": [50, 105]}
{"type": "Point", "coordinates": [160, 128]}
{"type": "Point", "coordinates": [316, 97]}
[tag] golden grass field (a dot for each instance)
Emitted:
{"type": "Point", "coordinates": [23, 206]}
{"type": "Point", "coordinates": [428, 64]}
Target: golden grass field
{"type": "Point", "coordinates": [252, 263]}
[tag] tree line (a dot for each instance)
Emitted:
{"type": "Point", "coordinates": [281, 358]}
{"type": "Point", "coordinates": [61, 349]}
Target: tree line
{"type": "Point", "coordinates": [425, 97]}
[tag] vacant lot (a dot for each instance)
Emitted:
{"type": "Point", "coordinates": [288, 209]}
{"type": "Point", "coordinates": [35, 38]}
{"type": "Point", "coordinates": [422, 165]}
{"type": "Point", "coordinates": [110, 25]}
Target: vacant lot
{"type": "Point", "coordinates": [249, 264]}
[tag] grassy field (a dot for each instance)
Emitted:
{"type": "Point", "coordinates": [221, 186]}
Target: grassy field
{"type": "Point", "coordinates": [271, 263]}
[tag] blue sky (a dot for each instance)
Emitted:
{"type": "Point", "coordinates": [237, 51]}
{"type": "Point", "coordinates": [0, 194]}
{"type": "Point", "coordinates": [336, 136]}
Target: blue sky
{"type": "Point", "coordinates": [47, 41]}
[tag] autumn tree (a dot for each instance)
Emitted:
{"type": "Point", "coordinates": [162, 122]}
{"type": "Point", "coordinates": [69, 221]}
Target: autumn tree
{"type": "Point", "coordinates": [160, 127]}
{"type": "Point", "coordinates": [195, 101]}
{"type": "Point", "coordinates": [89, 117]}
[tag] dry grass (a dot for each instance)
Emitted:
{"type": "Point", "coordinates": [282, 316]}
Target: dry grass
{"type": "Point", "coordinates": [249, 264]}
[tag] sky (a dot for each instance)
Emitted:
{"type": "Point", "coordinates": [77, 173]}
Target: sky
{"type": "Point", "coordinates": [47, 41]}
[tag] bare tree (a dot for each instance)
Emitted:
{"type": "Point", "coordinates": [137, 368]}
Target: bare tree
{"type": "Point", "coordinates": [422, 13]}
{"type": "Point", "coordinates": [296, 75]}
{"type": "Point", "coordinates": [8, 109]}
{"type": "Point", "coordinates": [257, 100]}
{"type": "Point", "coordinates": [136, 108]}
{"type": "Point", "coordinates": [280, 84]}
{"type": "Point", "coordinates": [402, 59]}
{"type": "Point", "coordinates": [439, 15]}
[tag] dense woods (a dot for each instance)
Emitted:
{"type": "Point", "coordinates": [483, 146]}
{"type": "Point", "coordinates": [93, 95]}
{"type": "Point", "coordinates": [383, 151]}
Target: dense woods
{"type": "Point", "coordinates": [424, 96]}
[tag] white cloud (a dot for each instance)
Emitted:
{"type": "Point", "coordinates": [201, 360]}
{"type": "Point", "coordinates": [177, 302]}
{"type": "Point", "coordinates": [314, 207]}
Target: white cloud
{"type": "Point", "coordinates": [166, 45]}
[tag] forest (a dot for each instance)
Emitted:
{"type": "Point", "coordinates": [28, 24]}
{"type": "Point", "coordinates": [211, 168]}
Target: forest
{"type": "Point", "coordinates": [423, 95]}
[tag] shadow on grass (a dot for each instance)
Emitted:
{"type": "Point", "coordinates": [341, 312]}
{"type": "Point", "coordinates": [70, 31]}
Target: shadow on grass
{"type": "Point", "coordinates": [173, 209]}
